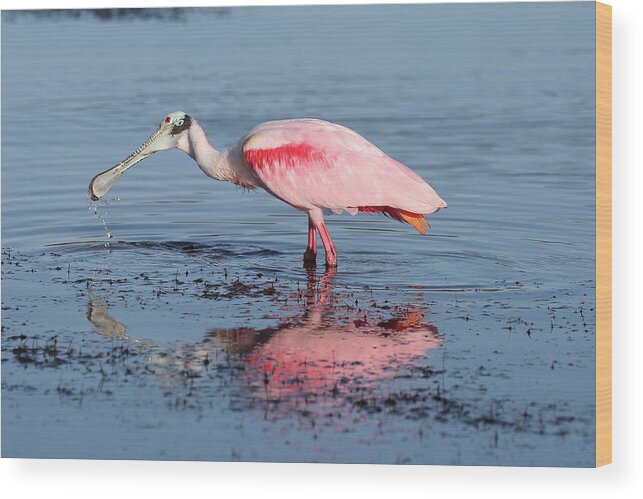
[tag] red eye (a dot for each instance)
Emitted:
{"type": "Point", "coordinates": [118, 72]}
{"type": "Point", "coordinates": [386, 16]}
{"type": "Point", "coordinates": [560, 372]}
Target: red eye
{"type": "Point", "coordinates": [167, 119]}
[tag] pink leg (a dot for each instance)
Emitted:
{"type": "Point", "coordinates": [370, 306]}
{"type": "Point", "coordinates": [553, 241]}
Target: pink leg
{"type": "Point", "coordinates": [311, 250]}
{"type": "Point", "coordinates": [329, 247]}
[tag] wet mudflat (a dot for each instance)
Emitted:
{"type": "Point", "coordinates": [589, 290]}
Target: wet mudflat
{"type": "Point", "coordinates": [198, 361]}
{"type": "Point", "coordinates": [194, 332]}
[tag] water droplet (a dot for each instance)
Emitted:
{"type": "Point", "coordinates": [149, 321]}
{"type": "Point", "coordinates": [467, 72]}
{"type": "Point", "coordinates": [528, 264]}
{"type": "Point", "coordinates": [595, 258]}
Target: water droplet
{"type": "Point", "coordinates": [93, 206]}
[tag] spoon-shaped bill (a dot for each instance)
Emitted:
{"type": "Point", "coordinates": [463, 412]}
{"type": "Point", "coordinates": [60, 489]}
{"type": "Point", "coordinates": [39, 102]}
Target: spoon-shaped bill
{"type": "Point", "coordinates": [102, 182]}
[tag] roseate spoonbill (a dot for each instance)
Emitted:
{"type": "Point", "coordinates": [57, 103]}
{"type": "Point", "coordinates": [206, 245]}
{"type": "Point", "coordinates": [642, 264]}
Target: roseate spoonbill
{"type": "Point", "coordinates": [310, 164]}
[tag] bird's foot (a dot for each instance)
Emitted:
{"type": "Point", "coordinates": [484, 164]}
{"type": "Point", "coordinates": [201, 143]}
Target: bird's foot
{"type": "Point", "coordinates": [331, 262]}
{"type": "Point", "coordinates": [310, 257]}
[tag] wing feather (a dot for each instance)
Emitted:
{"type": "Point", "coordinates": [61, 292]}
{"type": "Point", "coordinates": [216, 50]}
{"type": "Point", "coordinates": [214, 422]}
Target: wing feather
{"type": "Point", "coordinates": [314, 163]}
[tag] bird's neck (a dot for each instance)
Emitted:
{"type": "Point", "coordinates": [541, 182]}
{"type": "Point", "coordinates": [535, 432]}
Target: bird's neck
{"type": "Point", "coordinates": [212, 162]}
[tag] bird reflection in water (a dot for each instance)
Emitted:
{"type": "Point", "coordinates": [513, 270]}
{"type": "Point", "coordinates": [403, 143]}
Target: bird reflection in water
{"type": "Point", "coordinates": [324, 340]}
{"type": "Point", "coordinates": [105, 324]}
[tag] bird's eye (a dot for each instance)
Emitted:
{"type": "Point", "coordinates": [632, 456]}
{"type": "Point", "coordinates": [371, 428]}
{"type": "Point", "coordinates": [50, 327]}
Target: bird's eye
{"type": "Point", "coordinates": [180, 122]}
{"type": "Point", "coordinates": [167, 119]}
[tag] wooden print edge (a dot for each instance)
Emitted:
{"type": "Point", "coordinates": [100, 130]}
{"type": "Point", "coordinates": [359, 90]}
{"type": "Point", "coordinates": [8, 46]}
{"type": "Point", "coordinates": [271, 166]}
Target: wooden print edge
{"type": "Point", "coordinates": [603, 234]}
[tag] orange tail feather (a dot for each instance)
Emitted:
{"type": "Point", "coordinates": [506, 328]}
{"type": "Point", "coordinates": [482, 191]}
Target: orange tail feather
{"type": "Point", "coordinates": [418, 222]}
{"type": "Point", "coordinates": [415, 220]}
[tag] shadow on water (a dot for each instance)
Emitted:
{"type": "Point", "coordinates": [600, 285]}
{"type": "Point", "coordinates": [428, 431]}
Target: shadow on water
{"type": "Point", "coordinates": [173, 14]}
{"type": "Point", "coordinates": [319, 342]}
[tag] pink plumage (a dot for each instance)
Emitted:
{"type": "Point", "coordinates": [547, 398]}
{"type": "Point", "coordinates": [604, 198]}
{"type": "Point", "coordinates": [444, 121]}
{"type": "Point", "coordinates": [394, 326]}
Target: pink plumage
{"type": "Point", "coordinates": [310, 164]}
{"type": "Point", "coordinates": [313, 164]}
{"type": "Point", "coordinates": [316, 164]}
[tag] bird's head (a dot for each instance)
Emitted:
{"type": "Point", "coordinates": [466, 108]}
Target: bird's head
{"type": "Point", "coordinates": [170, 132]}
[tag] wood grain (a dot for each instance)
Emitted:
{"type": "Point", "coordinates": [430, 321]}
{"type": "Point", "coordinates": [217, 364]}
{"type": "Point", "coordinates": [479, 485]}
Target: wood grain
{"type": "Point", "coordinates": [603, 234]}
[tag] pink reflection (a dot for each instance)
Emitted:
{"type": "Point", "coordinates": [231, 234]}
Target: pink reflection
{"type": "Point", "coordinates": [325, 340]}
{"type": "Point", "coordinates": [331, 342]}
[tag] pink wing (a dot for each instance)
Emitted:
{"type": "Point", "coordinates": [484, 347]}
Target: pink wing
{"type": "Point", "coordinates": [316, 164]}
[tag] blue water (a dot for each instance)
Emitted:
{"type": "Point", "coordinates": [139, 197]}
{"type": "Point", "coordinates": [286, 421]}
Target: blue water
{"type": "Point", "coordinates": [490, 355]}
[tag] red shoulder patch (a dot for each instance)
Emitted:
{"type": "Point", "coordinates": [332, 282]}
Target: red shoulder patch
{"type": "Point", "coordinates": [288, 156]}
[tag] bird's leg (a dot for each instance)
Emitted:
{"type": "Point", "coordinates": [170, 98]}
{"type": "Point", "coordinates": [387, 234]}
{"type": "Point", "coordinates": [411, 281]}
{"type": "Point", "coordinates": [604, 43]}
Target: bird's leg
{"type": "Point", "coordinates": [316, 221]}
{"type": "Point", "coordinates": [311, 250]}
{"type": "Point", "coordinates": [329, 247]}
